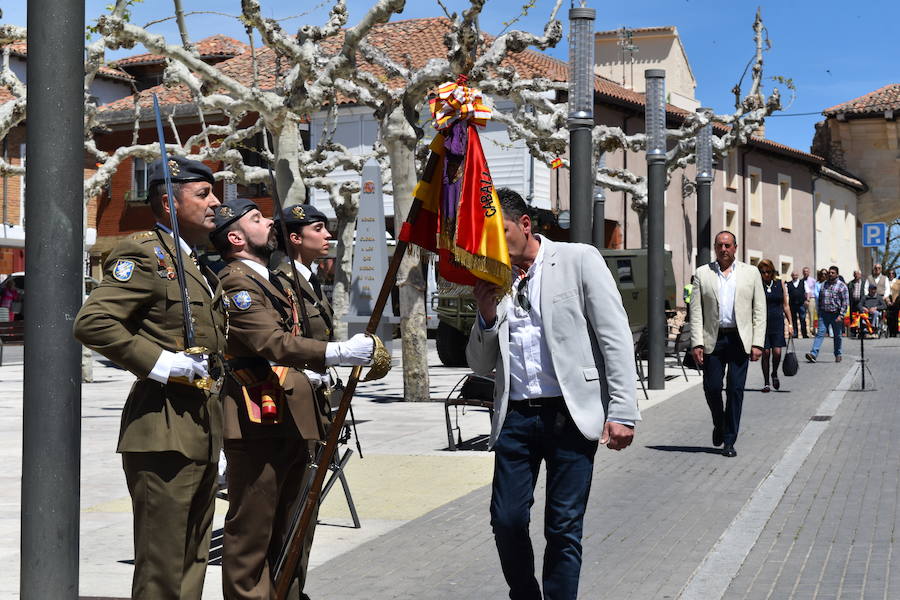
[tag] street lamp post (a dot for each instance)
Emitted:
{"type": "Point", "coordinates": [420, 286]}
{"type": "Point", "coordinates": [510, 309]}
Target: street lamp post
{"type": "Point", "coordinates": [54, 242]}
{"type": "Point", "coordinates": [655, 127]}
{"type": "Point", "coordinates": [581, 120]}
{"type": "Point", "coordinates": [704, 188]}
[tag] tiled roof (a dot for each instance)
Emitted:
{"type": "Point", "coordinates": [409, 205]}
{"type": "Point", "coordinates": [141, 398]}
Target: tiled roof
{"type": "Point", "coordinates": [214, 46]}
{"type": "Point", "coordinates": [882, 99]}
{"type": "Point", "coordinates": [20, 49]}
{"type": "Point", "coordinates": [414, 42]}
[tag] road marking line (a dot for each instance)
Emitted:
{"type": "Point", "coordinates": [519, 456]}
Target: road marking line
{"type": "Point", "coordinates": [711, 579]}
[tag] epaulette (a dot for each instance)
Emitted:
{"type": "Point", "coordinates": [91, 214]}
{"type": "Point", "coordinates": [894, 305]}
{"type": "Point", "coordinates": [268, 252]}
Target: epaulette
{"type": "Point", "coordinates": [142, 235]}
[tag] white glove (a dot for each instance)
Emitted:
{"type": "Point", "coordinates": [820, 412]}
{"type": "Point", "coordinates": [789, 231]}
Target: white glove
{"type": "Point", "coordinates": [190, 366]}
{"type": "Point", "coordinates": [357, 351]}
{"type": "Point", "coordinates": [315, 378]}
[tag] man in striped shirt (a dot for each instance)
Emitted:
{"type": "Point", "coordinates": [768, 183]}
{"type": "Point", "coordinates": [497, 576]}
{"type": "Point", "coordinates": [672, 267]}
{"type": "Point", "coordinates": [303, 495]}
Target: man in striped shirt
{"type": "Point", "coordinates": [834, 298]}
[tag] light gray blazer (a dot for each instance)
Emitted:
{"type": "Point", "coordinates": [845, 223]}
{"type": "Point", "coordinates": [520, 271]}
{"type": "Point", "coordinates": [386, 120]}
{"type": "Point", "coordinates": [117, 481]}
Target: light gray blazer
{"type": "Point", "coordinates": [586, 330]}
{"type": "Point", "coordinates": [749, 307]}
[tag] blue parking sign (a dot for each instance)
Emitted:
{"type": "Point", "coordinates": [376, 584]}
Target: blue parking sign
{"type": "Point", "coordinates": [874, 235]}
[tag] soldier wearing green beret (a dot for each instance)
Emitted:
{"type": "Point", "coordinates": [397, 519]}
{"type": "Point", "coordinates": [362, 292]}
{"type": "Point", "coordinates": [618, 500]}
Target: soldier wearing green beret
{"type": "Point", "coordinates": [171, 429]}
{"type": "Point", "coordinates": [275, 402]}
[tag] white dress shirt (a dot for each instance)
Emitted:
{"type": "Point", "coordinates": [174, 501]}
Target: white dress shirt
{"type": "Point", "coordinates": [531, 373]}
{"type": "Point", "coordinates": [727, 290]}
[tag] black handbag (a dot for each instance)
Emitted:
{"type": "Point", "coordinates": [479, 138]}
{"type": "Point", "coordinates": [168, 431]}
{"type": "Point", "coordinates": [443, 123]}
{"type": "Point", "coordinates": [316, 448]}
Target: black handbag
{"type": "Point", "coordinates": [791, 364]}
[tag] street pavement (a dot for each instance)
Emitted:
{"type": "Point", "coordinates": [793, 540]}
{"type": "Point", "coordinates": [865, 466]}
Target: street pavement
{"type": "Point", "coordinates": [807, 509]}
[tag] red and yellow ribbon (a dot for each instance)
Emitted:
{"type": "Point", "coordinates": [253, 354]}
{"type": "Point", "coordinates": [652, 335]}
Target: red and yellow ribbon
{"type": "Point", "coordinates": [456, 101]}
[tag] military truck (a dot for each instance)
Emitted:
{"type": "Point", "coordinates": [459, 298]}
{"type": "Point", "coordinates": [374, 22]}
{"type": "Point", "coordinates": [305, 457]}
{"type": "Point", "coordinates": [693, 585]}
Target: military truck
{"type": "Point", "coordinates": [456, 314]}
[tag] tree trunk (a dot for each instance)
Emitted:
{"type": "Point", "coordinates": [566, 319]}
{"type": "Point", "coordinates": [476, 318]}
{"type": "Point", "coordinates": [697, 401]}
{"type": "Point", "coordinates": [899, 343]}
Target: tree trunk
{"type": "Point", "coordinates": [288, 145]}
{"type": "Point", "coordinates": [642, 224]}
{"type": "Point", "coordinates": [400, 140]}
{"type": "Point", "coordinates": [343, 265]}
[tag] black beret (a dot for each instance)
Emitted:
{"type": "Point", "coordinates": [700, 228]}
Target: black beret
{"type": "Point", "coordinates": [230, 211]}
{"type": "Point", "coordinates": [181, 170]}
{"type": "Point", "coordinates": [303, 214]}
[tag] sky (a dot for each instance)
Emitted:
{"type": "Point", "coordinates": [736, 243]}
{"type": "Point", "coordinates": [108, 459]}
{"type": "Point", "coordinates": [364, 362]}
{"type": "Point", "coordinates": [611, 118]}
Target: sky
{"type": "Point", "coordinates": [833, 51]}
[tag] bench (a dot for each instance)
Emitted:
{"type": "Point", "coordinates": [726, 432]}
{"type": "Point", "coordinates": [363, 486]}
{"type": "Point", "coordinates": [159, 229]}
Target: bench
{"type": "Point", "coordinates": [474, 390]}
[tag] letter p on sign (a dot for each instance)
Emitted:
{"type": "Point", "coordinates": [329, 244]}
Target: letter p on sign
{"type": "Point", "coordinates": [874, 235]}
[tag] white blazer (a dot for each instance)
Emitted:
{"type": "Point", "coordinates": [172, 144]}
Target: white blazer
{"type": "Point", "coordinates": [587, 333]}
{"type": "Point", "coordinates": [749, 307]}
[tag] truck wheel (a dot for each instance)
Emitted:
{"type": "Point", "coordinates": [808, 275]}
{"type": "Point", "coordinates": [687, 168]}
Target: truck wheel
{"type": "Point", "coordinates": [451, 346]}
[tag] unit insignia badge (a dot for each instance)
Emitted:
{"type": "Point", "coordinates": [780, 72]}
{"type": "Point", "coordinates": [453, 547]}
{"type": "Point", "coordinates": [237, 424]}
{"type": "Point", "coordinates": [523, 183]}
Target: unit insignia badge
{"type": "Point", "coordinates": [174, 169]}
{"type": "Point", "coordinates": [123, 270]}
{"type": "Point", "coordinates": [242, 300]}
{"type": "Point", "coordinates": [298, 212]}
{"type": "Point", "coordinates": [225, 211]}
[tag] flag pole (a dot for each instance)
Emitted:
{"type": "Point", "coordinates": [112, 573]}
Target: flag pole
{"type": "Point", "coordinates": [294, 547]}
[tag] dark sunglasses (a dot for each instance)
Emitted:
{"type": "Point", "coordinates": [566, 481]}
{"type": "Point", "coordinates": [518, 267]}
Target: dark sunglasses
{"type": "Point", "coordinates": [522, 293]}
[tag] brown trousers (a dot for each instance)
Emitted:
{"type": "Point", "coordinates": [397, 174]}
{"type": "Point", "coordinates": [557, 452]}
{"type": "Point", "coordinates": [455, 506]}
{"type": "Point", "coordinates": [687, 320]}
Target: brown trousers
{"type": "Point", "coordinates": [265, 477]}
{"type": "Point", "coordinates": [173, 499]}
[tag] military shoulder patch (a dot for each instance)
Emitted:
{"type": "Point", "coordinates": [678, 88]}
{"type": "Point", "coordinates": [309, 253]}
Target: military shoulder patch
{"type": "Point", "coordinates": [242, 300]}
{"type": "Point", "coordinates": [142, 235]}
{"type": "Point", "coordinates": [123, 270]}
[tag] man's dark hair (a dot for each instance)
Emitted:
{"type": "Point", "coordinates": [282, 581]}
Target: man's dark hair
{"type": "Point", "coordinates": [154, 197]}
{"type": "Point", "coordinates": [512, 204]}
{"type": "Point", "coordinates": [733, 237]}
{"type": "Point", "coordinates": [220, 238]}
{"type": "Point", "coordinates": [834, 267]}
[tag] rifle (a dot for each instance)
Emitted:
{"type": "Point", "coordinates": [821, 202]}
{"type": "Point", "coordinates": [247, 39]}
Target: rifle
{"type": "Point", "coordinates": [286, 565]}
{"type": "Point", "coordinates": [190, 340]}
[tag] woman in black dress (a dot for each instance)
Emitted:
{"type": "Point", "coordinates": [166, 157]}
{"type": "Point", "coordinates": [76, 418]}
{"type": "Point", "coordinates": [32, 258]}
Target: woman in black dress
{"type": "Point", "coordinates": [778, 313]}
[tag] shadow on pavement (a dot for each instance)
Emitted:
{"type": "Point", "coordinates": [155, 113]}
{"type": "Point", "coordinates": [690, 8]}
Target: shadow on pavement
{"type": "Point", "coordinates": [690, 449]}
{"type": "Point", "coordinates": [479, 442]}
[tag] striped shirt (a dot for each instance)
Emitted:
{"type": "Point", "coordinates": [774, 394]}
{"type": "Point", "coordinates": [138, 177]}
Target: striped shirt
{"type": "Point", "coordinates": [834, 297]}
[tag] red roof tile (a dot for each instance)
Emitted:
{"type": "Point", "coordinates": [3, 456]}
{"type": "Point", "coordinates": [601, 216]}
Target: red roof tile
{"type": "Point", "coordinates": [882, 99]}
{"type": "Point", "coordinates": [20, 49]}
{"type": "Point", "coordinates": [214, 46]}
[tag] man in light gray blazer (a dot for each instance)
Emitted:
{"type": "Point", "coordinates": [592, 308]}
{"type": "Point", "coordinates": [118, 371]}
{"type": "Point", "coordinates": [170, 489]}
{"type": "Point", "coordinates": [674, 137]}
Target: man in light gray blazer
{"type": "Point", "coordinates": [728, 310]}
{"type": "Point", "coordinates": [561, 350]}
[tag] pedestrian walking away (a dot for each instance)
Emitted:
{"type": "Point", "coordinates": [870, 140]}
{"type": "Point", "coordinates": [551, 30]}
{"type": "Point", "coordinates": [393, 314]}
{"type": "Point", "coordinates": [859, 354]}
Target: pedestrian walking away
{"type": "Point", "coordinates": [171, 429]}
{"type": "Point", "coordinates": [276, 396]}
{"type": "Point", "coordinates": [564, 383]}
{"type": "Point", "coordinates": [833, 302]}
{"type": "Point", "coordinates": [778, 316]}
{"type": "Point", "coordinates": [728, 310]}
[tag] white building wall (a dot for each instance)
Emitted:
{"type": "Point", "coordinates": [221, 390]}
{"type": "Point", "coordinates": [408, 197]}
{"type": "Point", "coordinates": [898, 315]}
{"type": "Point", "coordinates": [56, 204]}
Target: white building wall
{"type": "Point", "coordinates": [836, 227]}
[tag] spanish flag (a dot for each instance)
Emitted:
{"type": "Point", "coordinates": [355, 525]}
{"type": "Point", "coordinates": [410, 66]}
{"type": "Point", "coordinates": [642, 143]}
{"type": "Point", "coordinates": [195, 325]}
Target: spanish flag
{"type": "Point", "coordinates": [480, 242]}
{"type": "Point", "coordinates": [460, 217]}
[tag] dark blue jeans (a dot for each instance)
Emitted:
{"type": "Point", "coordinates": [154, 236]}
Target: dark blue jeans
{"type": "Point", "coordinates": [836, 322]}
{"type": "Point", "coordinates": [728, 356]}
{"type": "Point", "coordinates": [529, 436]}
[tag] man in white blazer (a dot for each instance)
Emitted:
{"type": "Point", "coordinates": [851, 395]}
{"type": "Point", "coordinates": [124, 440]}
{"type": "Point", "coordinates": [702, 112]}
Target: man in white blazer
{"type": "Point", "coordinates": [728, 310]}
{"type": "Point", "coordinates": [561, 350]}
